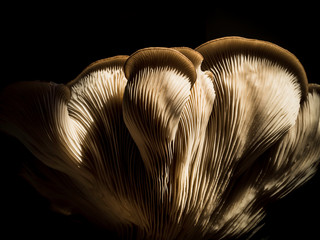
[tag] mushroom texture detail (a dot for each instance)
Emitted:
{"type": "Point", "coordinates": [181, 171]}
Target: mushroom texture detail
{"type": "Point", "coordinates": [171, 143]}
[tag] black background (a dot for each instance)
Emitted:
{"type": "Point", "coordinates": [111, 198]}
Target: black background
{"type": "Point", "coordinates": [54, 43]}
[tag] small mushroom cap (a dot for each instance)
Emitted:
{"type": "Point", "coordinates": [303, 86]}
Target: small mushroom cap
{"type": "Point", "coordinates": [215, 50]}
{"type": "Point", "coordinates": [314, 87]}
{"type": "Point", "coordinates": [116, 61]}
{"type": "Point", "coordinates": [157, 57]}
{"type": "Point", "coordinates": [195, 57]}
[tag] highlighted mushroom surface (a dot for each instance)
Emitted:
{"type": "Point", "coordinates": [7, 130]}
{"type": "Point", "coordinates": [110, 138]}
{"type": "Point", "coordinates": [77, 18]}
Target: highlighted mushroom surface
{"type": "Point", "coordinates": [172, 143]}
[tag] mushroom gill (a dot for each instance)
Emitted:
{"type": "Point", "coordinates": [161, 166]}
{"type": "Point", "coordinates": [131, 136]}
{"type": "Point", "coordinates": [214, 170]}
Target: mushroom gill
{"type": "Point", "coordinates": [171, 143]}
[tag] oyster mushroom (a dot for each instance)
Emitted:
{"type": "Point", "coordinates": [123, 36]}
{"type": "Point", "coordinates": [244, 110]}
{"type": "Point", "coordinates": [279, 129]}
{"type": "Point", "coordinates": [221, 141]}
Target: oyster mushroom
{"type": "Point", "coordinates": [172, 143]}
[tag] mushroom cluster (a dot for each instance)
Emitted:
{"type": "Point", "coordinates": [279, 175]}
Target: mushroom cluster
{"type": "Point", "coordinates": [171, 143]}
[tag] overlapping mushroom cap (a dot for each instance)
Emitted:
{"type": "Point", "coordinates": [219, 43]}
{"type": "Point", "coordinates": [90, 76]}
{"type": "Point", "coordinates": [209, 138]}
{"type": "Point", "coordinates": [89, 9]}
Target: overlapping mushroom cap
{"type": "Point", "coordinates": [172, 143]}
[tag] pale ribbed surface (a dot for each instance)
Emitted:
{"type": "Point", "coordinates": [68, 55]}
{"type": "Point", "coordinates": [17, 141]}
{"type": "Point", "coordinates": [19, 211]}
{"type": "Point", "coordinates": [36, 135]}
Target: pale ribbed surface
{"type": "Point", "coordinates": [160, 146]}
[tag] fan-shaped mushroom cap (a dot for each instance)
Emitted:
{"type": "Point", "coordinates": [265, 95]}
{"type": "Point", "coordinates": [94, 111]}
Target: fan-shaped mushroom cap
{"type": "Point", "coordinates": [215, 50]}
{"type": "Point", "coordinates": [159, 83]}
{"type": "Point", "coordinates": [259, 85]}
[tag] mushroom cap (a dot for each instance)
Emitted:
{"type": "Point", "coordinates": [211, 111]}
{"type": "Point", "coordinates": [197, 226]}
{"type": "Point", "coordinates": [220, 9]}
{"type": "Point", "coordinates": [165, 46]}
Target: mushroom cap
{"type": "Point", "coordinates": [116, 61]}
{"type": "Point", "coordinates": [215, 50]}
{"type": "Point", "coordinates": [195, 57]}
{"type": "Point", "coordinates": [157, 57]}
